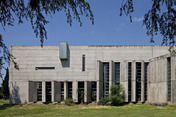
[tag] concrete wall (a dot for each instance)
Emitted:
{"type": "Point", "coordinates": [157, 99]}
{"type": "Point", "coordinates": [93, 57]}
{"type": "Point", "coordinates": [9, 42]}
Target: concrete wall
{"type": "Point", "coordinates": [173, 79]}
{"type": "Point", "coordinates": [29, 57]}
{"type": "Point", "coordinates": [157, 80]}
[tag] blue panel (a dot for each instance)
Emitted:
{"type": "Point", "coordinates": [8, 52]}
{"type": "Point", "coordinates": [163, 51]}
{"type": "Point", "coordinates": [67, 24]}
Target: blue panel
{"type": "Point", "coordinates": [63, 50]}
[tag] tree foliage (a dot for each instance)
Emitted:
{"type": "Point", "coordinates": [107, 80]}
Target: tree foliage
{"type": "Point", "coordinates": [35, 11]}
{"type": "Point", "coordinates": [5, 84]}
{"type": "Point", "coordinates": [160, 18]}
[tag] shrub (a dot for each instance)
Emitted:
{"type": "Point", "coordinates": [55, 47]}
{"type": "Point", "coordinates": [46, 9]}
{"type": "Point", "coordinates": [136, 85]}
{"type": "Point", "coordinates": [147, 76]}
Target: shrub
{"type": "Point", "coordinates": [81, 94]}
{"type": "Point", "coordinates": [69, 102]}
{"type": "Point", "coordinates": [117, 96]}
{"type": "Point", "coordinates": [93, 96]}
{"type": "Point", "coordinates": [104, 101]}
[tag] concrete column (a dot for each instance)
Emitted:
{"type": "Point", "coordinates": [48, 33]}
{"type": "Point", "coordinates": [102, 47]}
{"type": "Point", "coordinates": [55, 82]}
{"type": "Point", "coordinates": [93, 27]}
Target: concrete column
{"type": "Point", "coordinates": [52, 91]}
{"type": "Point", "coordinates": [57, 91]}
{"type": "Point", "coordinates": [89, 93]}
{"type": "Point", "coordinates": [111, 74]}
{"type": "Point", "coordinates": [85, 92]}
{"type": "Point", "coordinates": [30, 94]}
{"type": "Point", "coordinates": [99, 80]}
{"type": "Point", "coordinates": [98, 92]}
{"type": "Point", "coordinates": [148, 80]}
{"type": "Point", "coordinates": [124, 77]}
{"type": "Point", "coordinates": [133, 84]}
{"type": "Point", "coordinates": [75, 93]}
{"type": "Point", "coordinates": [43, 91]}
{"type": "Point", "coordinates": [173, 80]}
{"type": "Point", "coordinates": [65, 90]}
{"type": "Point", "coordinates": [35, 92]}
{"type": "Point", "coordinates": [142, 81]}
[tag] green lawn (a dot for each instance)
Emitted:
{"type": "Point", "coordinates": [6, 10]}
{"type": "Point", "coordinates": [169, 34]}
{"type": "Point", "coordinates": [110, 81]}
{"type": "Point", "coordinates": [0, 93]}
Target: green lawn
{"type": "Point", "coordinates": [40, 110]}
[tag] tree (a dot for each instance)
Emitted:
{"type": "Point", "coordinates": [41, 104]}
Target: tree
{"type": "Point", "coordinates": [156, 19]}
{"type": "Point", "coordinates": [5, 84]}
{"type": "Point", "coordinates": [35, 11]}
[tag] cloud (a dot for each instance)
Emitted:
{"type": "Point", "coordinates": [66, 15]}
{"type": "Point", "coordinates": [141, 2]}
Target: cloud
{"type": "Point", "coordinates": [117, 27]}
{"type": "Point", "coordinates": [136, 19]}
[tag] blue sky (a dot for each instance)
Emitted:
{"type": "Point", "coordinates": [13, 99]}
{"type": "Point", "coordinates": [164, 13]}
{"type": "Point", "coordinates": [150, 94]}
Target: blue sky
{"type": "Point", "coordinates": [109, 28]}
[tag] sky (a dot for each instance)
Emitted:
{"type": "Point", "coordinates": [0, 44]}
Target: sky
{"type": "Point", "coordinates": [109, 28]}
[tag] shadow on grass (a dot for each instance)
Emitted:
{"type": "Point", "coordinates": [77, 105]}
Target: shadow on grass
{"type": "Point", "coordinates": [6, 106]}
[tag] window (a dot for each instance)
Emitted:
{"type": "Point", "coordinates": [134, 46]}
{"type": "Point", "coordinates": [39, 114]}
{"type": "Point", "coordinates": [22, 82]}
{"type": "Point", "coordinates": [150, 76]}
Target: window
{"type": "Point", "coordinates": [117, 73]}
{"type": "Point", "coordinates": [39, 91]}
{"type": "Point", "coordinates": [62, 90]}
{"type": "Point", "coordinates": [138, 81]}
{"type": "Point", "coordinates": [145, 78]}
{"type": "Point", "coordinates": [105, 79]}
{"type": "Point", "coordinates": [129, 81]}
{"type": "Point", "coordinates": [44, 68]}
{"type": "Point", "coordinates": [93, 91]}
{"type": "Point", "coordinates": [81, 92]}
{"type": "Point", "coordinates": [169, 78]}
{"type": "Point", "coordinates": [83, 63]}
{"type": "Point", "coordinates": [48, 91]}
{"type": "Point", "coordinates": [69, 89]}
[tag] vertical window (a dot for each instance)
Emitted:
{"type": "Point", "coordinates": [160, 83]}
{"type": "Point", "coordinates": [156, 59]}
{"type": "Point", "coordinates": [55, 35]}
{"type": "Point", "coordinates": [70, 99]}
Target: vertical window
{"type": "Point", "coordinates": [81, 92]}
{"type": "Point", "coordinates": [83, 62]}
{"type": "Point", "coordinates": [93, 91]}
{"type": "Point", "coordinates": [169, 78]}
{"type": "Point", "coordinates": [105, 79]}
{"type": "Point", "coordinates": [69, 89]}
{"type": "Point", "coordinates": [48, 92]}
{"type": "Point", "coordinates": [62, 90]}
{"type": "Point", "coordinates": [129, 81]}
{"type": "Point", "coordinates": [117, 73]}
{"type": "Point", "coordinates": [145, 78]}
{"type": "Point", "coordinates": [138, 81]}
{"type": "Point", "coordinates": [39, 91]}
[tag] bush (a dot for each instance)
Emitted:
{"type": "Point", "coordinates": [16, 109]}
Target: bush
{"type": "Point", "coordinates": [69, 102]}
{"type": "Point", "coordinates": [80, 92]}
{"type": "Point", "coordinates": [93, 95]}
{"type": "Point", "coordinates": [104, 101]}
{"type": "Point", "coordinates": [117, 96]}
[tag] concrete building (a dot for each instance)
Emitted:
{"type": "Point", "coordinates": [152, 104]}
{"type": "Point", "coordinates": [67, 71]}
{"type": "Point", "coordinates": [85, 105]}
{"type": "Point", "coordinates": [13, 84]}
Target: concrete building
{"type": "Point", "coordinates": [53, 73]}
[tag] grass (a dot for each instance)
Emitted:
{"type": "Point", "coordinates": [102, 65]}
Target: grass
{"type": "Point", "coordinates": [41, 110]}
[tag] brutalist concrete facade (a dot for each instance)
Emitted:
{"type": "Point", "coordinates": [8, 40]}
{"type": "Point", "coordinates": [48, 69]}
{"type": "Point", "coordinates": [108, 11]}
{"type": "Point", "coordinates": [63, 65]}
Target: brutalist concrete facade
{"type": "Point", "coordinates": [44, 74]}
{"type": "Point", "coordinates": [162, 80]}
